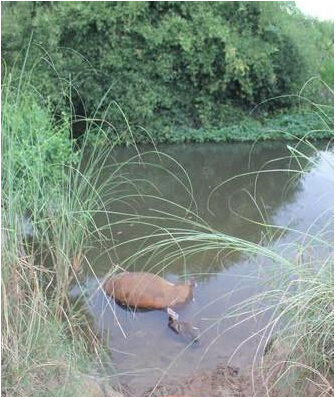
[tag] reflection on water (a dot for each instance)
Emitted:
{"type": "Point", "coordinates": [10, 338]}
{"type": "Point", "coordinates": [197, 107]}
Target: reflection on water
{"type": "Point", "coordinates": [239, 208]}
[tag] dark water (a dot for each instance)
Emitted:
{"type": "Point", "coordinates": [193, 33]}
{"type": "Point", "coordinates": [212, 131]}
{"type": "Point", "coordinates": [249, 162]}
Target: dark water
{"type": "Point", "coordinates": [151, 352]}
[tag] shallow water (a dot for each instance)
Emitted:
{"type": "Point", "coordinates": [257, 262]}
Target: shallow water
{"type": "Point", "coordinates": [151, 352]}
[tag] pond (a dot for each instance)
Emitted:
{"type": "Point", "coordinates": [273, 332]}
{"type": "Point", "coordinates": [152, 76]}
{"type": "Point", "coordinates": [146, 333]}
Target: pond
{"type": "Point", "coordinates": [259, 189]}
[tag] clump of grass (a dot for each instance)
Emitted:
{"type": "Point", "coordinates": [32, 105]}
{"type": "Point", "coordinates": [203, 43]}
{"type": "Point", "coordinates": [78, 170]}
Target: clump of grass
{"type": "Point", "coordinates": [36, 350]}
{"type": "Point", "coordinates": [51, 193]}
{"type": "Point", "coordinates": [305, 328]}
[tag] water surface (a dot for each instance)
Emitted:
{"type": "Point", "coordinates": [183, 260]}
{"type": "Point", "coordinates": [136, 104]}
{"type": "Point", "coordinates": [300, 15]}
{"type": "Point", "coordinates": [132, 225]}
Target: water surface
{"type": "Point", "coordinates": [151, 352]}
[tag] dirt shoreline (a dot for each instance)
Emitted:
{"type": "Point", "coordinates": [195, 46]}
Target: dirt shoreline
{"type": "Point", "coordinates": [222, 381]}
{"type": "Point", "coordinates": [229, 381]}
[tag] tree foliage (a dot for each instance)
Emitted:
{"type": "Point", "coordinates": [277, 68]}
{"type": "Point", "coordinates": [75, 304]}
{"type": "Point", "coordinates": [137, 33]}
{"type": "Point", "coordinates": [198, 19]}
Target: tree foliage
{"type": "Point", "coordinates": [190, 64]}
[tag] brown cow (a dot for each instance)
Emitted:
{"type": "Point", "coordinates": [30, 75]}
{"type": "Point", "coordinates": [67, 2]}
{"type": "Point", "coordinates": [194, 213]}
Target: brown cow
{"type": "Point", "coordinates": [142, 290]}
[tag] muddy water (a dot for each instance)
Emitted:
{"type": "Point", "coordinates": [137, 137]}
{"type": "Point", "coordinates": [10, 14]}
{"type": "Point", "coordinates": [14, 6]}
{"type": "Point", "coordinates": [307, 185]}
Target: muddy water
{"type": "Point", "coordinates": [147, 351]}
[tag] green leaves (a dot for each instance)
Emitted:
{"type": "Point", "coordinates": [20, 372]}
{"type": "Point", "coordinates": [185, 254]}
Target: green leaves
{"type": "Point", "coordinates": [167, 63]}
{"type": "Point", "coordinates": [35, 147]}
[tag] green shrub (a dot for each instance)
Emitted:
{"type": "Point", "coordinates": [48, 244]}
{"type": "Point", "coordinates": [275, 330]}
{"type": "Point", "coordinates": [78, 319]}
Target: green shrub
{"type": "Point", "coordinates": [165, 64]}
{"type": "Point", "coordinates": [39, 148]}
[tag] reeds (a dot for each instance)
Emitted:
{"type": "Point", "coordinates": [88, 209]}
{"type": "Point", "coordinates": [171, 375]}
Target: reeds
{"type": "Point", "coordinates": [51, 192]}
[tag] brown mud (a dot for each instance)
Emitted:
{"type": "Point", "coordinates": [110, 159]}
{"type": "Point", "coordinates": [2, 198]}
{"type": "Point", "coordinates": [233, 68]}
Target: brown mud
{"type": "Point", "coordinates": [229, 381]}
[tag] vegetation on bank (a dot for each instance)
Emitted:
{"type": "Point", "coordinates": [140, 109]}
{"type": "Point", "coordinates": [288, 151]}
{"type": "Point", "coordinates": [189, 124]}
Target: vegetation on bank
{"type": "Point", "coordinates": [48, 346]}
{"type": "Point", "coordinates": [287, 126]}
{"type": "Point", "coordinates": [169, 66]}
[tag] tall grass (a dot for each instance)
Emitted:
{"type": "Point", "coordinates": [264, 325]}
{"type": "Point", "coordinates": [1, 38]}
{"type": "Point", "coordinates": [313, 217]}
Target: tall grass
{"type": "Point", "coordinates": [35, 347]}
{"type": "Point", "coordinates": [51, 193]}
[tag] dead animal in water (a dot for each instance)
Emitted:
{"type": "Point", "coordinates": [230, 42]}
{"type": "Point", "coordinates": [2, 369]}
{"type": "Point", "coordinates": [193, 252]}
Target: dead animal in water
{"type": "Point", "coordinates": [142, 290]}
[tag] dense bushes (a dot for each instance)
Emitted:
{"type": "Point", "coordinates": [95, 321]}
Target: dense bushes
{"type": "Point", "coordinates": [35, 148]}
{"type": "Point", "coordinates": [288, 127]}
{"type": "Point", "coordinates": [166, 64]}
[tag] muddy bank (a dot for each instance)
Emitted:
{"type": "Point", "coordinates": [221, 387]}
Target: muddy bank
{"type": "Point", "coordinates": [223, 381]}
{"type": "Point", "coordinates": [229, 381]}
